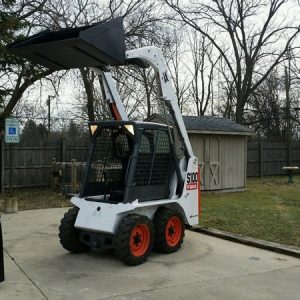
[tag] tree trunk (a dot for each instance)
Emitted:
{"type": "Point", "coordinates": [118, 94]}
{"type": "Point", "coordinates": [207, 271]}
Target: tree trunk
{"type": "Point", "coordinates": [239, 112]}
{"type": "Point", "coordinates": [88, 85]}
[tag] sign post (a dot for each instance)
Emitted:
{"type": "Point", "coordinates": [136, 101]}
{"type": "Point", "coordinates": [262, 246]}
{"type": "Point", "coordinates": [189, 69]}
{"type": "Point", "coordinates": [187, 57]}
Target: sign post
{"type": "Point", "coordinates": [12, 136]}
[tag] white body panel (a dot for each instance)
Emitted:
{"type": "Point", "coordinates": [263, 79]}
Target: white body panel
{"type": "Point", "coordinates": [107, 218]}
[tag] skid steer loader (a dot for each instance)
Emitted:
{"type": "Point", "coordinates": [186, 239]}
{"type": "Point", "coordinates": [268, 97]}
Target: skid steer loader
{"type": "Point", "coordinates": [137, 193]}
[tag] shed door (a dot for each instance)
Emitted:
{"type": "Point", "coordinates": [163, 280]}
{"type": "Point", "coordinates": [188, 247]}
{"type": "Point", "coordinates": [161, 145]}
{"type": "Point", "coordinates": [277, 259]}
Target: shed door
{"type": "Point", "coordinates": [207, 149]}
{"type": "Point", "coordinates": [213, 163]}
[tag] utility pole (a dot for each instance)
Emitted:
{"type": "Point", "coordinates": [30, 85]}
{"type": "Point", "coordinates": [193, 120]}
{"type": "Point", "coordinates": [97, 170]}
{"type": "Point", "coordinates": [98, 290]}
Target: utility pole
{"type": "Point", "coordinates": [287, 70]}
{"type": "Point", "coordinates": [288, 104]}
{"type": "Point", "coordinates": [49, 112]}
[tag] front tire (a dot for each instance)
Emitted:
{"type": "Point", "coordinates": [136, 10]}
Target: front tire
{"type": "Point", "coordinates": [133, 239]}
{"type": "Point", "coordinates": [169, 230]}
{"type": "Point", "coordinates": [68, 234]}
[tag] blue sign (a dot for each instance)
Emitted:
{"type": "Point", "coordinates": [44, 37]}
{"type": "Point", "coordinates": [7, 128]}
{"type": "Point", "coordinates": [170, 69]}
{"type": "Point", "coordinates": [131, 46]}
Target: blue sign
{"type": "Point", "coordinates": [12, 131]}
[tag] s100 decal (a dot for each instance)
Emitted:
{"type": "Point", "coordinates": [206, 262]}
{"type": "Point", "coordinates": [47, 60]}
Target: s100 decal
{"type": "Point", "coordinates": [192, 181]}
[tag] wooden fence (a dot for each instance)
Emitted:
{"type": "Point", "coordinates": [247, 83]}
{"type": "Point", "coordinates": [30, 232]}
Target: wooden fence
{"type": "Point", "coordinates": [32, 166]}
{"type": "Point", "coordinates": [265, 158]}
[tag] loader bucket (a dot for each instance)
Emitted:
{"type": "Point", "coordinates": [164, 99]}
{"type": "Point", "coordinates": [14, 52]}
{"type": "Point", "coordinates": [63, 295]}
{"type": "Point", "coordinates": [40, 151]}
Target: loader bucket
{"type": "Point", "coordinates": [95, 45]}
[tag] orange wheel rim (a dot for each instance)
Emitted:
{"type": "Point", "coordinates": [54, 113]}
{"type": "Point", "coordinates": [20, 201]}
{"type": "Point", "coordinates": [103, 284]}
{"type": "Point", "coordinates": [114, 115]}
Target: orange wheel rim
{"type": "Point", "coordinates": [139, 239]}
{"type": "Point", "coordinates": [173, 231]}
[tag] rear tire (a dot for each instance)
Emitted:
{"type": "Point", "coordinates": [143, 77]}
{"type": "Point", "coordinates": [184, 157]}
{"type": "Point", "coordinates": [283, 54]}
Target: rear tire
{"type": "Point", "coordinates": [68, 234]}
{"type": "Point", "coordinates": [169, 230]}
{"type": "Point", "coordinates": [133, 239]}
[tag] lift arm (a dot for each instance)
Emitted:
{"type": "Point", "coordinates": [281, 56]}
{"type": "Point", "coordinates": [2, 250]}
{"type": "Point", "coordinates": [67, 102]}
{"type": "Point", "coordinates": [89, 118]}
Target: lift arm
{"type": "Point", "coordinates": [111, 95]}
{"type": "Point", "coordinates": [154, 57]}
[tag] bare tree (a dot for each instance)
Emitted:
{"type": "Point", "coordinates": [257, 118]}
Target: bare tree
{"type": "Point", "coordinates": [250, 35]}
{"type": "Point", "coordinates": [226, 93]}
{"type": "Point", "coordinates": [203, 67]}
{"type": "Point", "coordinates": [17, 75]}
{"type": "Point", "coordinates": [143, 26]}
{"type": "Point", "coordinates": [174, 54]}
{"type": "Point", "coordinates": [140, 23]}
{"type": "Point", "coordinates": [27, 17]}
{"type": "Point", "coordinates": [88, 78]}
{"type": "Point", "coordinates": [265, 107]}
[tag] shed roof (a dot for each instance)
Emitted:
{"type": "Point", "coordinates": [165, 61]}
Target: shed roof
{"type": "Point", "coordinates": [208, 125]}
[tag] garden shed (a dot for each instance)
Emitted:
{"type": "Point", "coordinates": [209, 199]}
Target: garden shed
{"type": "Point", "coordinates": [221, 147]}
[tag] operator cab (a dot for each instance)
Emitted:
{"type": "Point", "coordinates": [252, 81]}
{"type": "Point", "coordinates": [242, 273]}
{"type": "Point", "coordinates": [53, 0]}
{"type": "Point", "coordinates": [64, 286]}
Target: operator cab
{"type": "Point", "coordinates": [128, 161]}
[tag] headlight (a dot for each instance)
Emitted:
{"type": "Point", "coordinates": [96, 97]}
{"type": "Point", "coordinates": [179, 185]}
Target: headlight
{"type": "Point", "coordinates": [93, 128]}
{"type": "Point", "coordinates": [129, 128]}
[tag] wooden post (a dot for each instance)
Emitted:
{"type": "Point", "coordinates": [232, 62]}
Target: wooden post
{"type": "Point", "coordinates": [63, 150]}
{"type": "Point", "coordinates": [10, 168]}
{"type": "Point", "coordinates": [73, 176]}
{"type": "Point", "coordinates": [55, 175]}
{"type": "Point", "coordinates": [63, 175]}
{"type": "Point", "coordinates": [11, 204]}
{"type": "Point", "coordinates": [261, 159]}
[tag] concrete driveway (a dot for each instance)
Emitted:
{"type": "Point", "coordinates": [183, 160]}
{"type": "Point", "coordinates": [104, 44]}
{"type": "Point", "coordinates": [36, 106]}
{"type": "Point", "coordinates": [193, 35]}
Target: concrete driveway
{"type": "Point", "coordinates": [37, 267]}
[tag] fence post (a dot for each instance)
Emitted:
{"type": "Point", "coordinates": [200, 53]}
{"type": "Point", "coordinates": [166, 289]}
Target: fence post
{"type": "Point", "coordinates": [261, 159]}
{"type": "Point", "coordinates": [73, 176]}
{"type": "Point", "coordinates": [55, 175]}
{"type": "Point", "coordinates": [63, 150]}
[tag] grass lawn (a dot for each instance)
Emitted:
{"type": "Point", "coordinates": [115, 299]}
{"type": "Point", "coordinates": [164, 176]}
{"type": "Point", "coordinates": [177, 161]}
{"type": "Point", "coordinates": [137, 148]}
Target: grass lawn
{"type": "Point", "coordinates": [34, 198]}
{"type": "Point", "coordinates": [269, 209]}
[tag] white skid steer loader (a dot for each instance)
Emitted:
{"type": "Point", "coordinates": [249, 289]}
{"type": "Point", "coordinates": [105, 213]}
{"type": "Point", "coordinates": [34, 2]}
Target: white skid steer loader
{"type": "Point", "coordinates": [137, 193]}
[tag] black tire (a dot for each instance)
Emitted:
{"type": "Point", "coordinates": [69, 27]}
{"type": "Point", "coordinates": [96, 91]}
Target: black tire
{"type": "Point", "coordinates": [127, 243]}
{"type": "Point", "coordinates": [68, 234]}
{"type": "Point", "coordinates": [163, 241]}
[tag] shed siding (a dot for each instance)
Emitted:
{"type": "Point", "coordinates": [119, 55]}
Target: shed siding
{"type": "Point", "coordinates": [233, 162]}
{"type": "Point", "coordinates": [221, 160]}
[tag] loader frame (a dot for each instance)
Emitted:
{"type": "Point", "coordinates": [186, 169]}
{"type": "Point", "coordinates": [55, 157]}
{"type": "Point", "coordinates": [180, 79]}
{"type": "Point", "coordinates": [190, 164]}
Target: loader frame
{"type": "Point", "coordinates": [134, 198]}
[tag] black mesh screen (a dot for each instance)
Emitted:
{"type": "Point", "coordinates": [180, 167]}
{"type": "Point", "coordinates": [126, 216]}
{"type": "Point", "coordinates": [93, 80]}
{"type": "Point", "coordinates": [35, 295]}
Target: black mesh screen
{"type": "Point", "coordinates": [154, 159]}
{"type": "Point", "coordinates": [108, 163]}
